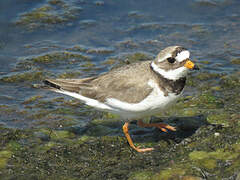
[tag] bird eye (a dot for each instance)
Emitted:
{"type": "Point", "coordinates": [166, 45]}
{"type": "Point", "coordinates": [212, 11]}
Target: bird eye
{"type": "Point", "coordinates": [171, 60]}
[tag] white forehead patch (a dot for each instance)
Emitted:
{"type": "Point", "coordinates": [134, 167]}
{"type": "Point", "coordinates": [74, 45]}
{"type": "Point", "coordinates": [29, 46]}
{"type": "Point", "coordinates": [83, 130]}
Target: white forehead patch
{"type": "Point", "coordinates": [182, 56]}
{"type": "Point", "coordinates": [164, 58]}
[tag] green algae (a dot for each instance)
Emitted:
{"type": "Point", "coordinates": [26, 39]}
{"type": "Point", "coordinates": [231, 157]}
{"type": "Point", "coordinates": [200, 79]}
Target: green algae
{"type": "Point", "coordinates": [207, 76]}
{"type": "Point", "coordinates": [229, 82]}
{"type": "Point", "coordinates": [141, 175]}
{"type": "Point", "coordinates": [88, 157]}
{"type": "Point", "coordinates": [13, 146]}
{"type": "Point", "coordinates": [24, 77]}
{"type": "Point", "coordinates": [51, 14]}
{"type": "Point", "coordinates": [46, 147]}
{"type": "Point", "coordinates": [171, 173]}
{"type": "Point", "coordinates": [209, 159]}
{"type": "Point", "coordinates": [99, 130]}
{"type": "Point", "coordinates": [57, 56]}
{"type": "Point", "coordinates": [4, 156]}
{"type": "Point", "coordinates": [219, 118]}
{"type": "Point", "coordinates": [78, 48]}
{"type": "Point", "coordinates": [7, 109]}
{"type": "Point", "coordinates": [127, 59]}
{"type": "Point", "coordinates": [235, 61]}
{"type": "Point", "coordinates": [193, 106]}
{"type": "Point", "coordinates": [207, 100]}
{"type": "Point", "coordinates": [39, 115]}
{"type": "Point", "coordinates": [138, 56]}
{"type": "Point", "coordinates": [32, 99]}
{"type": "Point", "coordinates": [58, 135]}
{"type": "Point", "coordinates": [129, 43]}
{"type": "Point", "coordinates": [203, 159]}
{"type": "Point", "coordinates": [84, 139]}
{"type": "Point", "coordinates": [190, 112]}
{"type": "Point", "coordinates": [32, 66]}
{"type": "Point", "coordinates": [56, 2]}
{"type": "Point", "coordinates": [42, 14]}
{"type": "Point", "coordinates": [54, 58]}
{"type": "Point", "coordinates": [205, 62]}
{"type": "Point", "coordinates": [109, 61]}
{"type": "Point", "coordinates": [68, 75]}
{"type": "Point", "coordinates": [198, 155]}
{"type": "Point", "coordinates": [216, 88]}
{"type": "Point", "coordinates": [88, 65]}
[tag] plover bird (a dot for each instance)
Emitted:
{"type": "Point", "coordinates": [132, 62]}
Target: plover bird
{"type": "Point", "coordinates": [133, 91]}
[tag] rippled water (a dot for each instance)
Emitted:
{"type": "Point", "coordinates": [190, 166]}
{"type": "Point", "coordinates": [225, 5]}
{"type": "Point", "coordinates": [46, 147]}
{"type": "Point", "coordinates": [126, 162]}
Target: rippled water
{"type": "Point", "coordinates": [101, 31]}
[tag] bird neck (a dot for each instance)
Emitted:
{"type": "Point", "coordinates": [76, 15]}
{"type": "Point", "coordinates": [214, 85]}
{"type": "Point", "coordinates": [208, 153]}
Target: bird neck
{"type": "Point", "coordinates": [169, 85]}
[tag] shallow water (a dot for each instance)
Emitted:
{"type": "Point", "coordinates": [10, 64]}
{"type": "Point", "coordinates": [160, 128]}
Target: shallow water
{"type": "Point", "coordinates": [101, 30]}
{"type": "Point", "coordinates": [45, 135]}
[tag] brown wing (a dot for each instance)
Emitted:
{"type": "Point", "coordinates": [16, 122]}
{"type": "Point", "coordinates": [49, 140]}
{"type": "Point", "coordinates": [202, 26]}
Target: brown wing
{"type": "Point", "coordinates": [128, 83]}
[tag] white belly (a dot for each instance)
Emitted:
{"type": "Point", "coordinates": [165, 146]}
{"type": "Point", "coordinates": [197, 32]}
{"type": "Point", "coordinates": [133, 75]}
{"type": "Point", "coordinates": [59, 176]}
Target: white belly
{"type": "Point", "coordinates": [152, 104]}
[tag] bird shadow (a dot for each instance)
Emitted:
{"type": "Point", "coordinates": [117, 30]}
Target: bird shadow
{"type": "Point", "coordinates": [185, 127]}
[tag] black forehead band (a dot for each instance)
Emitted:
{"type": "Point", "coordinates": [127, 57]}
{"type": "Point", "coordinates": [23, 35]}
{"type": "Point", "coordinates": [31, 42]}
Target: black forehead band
{"type": "Point", "coordinates": [178, 50]}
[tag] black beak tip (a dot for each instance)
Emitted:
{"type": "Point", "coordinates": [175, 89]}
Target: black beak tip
{"type": "Point", "coordinates": [196, 67]}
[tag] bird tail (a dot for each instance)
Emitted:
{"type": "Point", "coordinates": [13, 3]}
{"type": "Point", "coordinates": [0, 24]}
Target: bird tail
{"type": "Point", "coordinates": [70, 85]}
{"type": "Point", "coordinates": [48, 85]}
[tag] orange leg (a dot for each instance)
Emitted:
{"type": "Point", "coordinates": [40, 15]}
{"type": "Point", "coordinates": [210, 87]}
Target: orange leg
{"type": "Point", "coordinates": [161, 126]}
{"type": "Point", "coordinates": [125, 130]}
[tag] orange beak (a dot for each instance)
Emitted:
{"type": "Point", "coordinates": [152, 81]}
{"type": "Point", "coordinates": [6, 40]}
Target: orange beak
{"type": "Point", "coordinates": [190, 65]}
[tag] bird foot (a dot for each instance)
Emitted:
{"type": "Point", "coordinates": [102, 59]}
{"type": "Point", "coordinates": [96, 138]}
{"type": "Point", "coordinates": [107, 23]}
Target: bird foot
{"type": "Point", "coordinates": [143, 150]}
{"type": "Point", "coordinates": [163, 127]}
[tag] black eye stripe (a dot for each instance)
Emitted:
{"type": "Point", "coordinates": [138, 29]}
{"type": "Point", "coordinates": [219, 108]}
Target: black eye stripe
{"type": "Point", "coordinates": [171, 60]}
